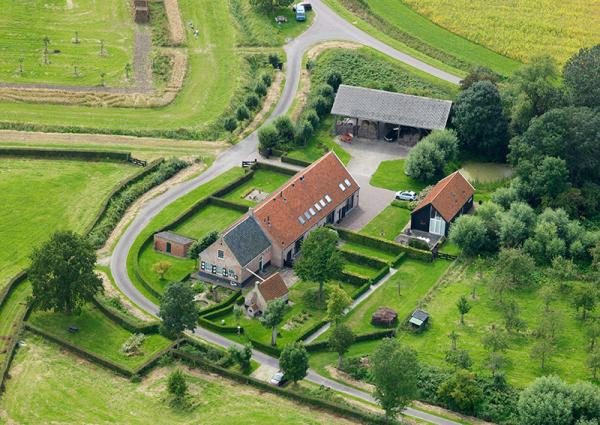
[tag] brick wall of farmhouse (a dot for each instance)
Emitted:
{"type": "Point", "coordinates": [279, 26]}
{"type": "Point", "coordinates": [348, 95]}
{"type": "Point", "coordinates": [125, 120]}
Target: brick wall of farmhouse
{"type": "Point", "coordinates": [177, 249]}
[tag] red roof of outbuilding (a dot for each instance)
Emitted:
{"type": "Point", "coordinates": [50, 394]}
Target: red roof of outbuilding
{"type": "Point", "coordinates": [318, 184]}
{"type": "Point", "coordinates": [273, 287]}
{"type": "Point", "coordinates": [448, 196]}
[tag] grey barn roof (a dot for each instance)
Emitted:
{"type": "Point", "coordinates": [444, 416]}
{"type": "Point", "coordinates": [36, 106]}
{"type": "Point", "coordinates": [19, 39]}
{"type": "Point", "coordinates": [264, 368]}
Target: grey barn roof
{"type": "Point", "coordinates": [393, 108]}
{"type": "Point", "coordinates": [174, 237]}
{"type": "Point", "coordinates": [246, 240]}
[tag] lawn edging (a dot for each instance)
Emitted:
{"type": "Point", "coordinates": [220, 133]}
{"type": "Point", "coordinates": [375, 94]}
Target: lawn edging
{"type": "Point", "coordinates": [335, 408]}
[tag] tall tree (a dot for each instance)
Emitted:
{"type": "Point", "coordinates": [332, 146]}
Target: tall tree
{"type": "Point", "coordinates": [469, 234]}
{"type": "Point", "coordinates": [593, 362]}
{"type": "Point", "coordinates": [461, 392]}
{"type": "Point", "coordinates": [62, 273]}
{"type": "Point", "coordinates": [337, 302]}
{"type": "Point", "coordinates": [161, 268]}
{"type": "Point", "coordinates": [480, 122]}
{"type": "Point", "coordinates": [242, 356]}
{"type": "Point", "coordinates": [340, 341]}
{"type": "Point", "coordinates": [293, 361]}
{"type": "Point", "coordinates": [177, 309]}
{"type": "Point", "coordinates": [495, 339]}
{"type": "Point", "coordinates": [581, 74]}
{"type": "Point", "coordinates": [394, 370]}
{"type": "Point", "coordinates": [546, 401]}
{"type": "Point", "coordinates": [463, 307]}
{"type": "Point", "coordinates": [320, 261]}
{"type": "Point", "coordinates": [585, 296]}
{"type": "Point", "coordinates": [272, 317]}
{"type": "Point", "coordinates": [543, 350]}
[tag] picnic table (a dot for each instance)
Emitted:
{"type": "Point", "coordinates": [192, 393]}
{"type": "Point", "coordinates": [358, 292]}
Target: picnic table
{"type": "Point", "coordinates": [280, 19]}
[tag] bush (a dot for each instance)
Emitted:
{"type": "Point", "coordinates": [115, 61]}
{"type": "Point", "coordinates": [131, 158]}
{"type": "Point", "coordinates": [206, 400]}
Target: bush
{"type": "Point", "coordinates": [334, 79]}
{"type": "Point", "coordinates": [274, 60]}
{"type": "Point", "coordinates": [242, 113]}
{"type": "Point", "coordinates": [426, 161]}
{"type": "Point", "coordinates": [285, 130]}
{"type": "Point", "coordinates": [321, 105]}
{"type": "Point", "coordinates": [266, 79]}
{"type": "Point", "coordinates": [252, 101]}
{"type": "Point", "coordinates": [469, 234]}
{"type": "Point", "coordinates": [268, 138]}
{"type": "Point", "coordinates": [229, 124]}
{"type": "Point", "coordinates": [260, 89]}
{"type": "Point", "coordinates": [355, 367]}
{"type": "Point", "coordinates": [304, 131]}
{"type": "Point", "coordinates": [311, 116]}
{"type": "Point", "coordinates": [325, 90]}
{"type": "Point", "coordinates": [418, 244]}
{"type": "Point", "coordinates": [132, 345]}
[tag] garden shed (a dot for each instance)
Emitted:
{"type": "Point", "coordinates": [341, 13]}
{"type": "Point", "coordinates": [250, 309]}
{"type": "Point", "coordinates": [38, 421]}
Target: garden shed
{"type": "Point", "coordinates": [384, 316]}
{"type": "Point", "coordinates": [172, 244]}
{"type": "Point", "coordinates": [371, 114]}
{"type": "Point", "coordinates": [419, 318]}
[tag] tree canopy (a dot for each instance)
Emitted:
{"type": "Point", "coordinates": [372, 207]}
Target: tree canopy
{"type": "Point", "coordinates": [62, 273]}
{"type": "Point", "coordinates": [273, 316]}
{"type": "Point", "coordinates": [293, 361]}
{"type": "Point", "coordinates": [177, 309]}
{"type": "Point", "coordinates": [581, 75]}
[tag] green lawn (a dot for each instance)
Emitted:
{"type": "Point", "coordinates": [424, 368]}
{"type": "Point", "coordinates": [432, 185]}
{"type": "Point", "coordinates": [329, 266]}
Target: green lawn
{"type": "Point", "coordinates": [390, 175]}
{"type": "Point", "coordinates": [414, 277]}
{"type": "Point", "coordinates": [397, 14]}
{"type": "Point", "coordinates": [42, 196]}
{"type": "Point", "coordinates": [215, 72]}
{"type": "Point", "coordinates": [571, 354]}
{"type": "Point", "coordinates": [320, 143]}
{"type": "Point", "coordinates": [360, 269]}
{"type": "Point", "coordinates": [388, 224]}
{"type": "Point", "coordinates": [49, 385]}
{"type": "Point", "coordinates": [98, 334]}
{"type": "Point", "coordinates": [263, 180]}
{"type": "Point", "coordinates": [450, 248]}
{"type": "Point", "coordinates": [24, 24]}
{"type": "Point", "coordinates": [170, 213]}
{"type": "Point", "coordinates": [209, 218]}
{"type": "Point", "coordinates": [258, 28]}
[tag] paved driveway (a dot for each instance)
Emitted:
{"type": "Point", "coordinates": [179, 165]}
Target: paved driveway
{"type": "Point", "coordinates": [366, 157]}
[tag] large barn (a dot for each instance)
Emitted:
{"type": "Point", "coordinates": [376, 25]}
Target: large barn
{"type": "Point", "coordinates": [273, 231]}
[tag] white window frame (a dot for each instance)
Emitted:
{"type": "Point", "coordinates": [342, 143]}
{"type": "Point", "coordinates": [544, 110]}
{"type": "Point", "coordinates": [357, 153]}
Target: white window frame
{"type": "Point", "coordinates": [220, 254]}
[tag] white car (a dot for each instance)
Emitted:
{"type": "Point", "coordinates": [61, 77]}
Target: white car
{"type": "Point", "coordinates": [278, 379]}
{"type": "Point", "coordinates": [406, 195]}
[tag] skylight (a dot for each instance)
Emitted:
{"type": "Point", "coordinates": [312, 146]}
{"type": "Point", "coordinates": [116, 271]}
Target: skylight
{"type": "Point", "coordinates": [322, 202]}
{"type": "Point", "coordinates": [328, 199]}
{"type": "Point", "coordinates": [307, 215]}
{"type": "Point", "coordinates": [318, 207]}
{"type": "Point", "coordinates": [301, 220]}
{"type": "Point", "coordinates": [347, 182]}
{"type": "Point", "coordinates": [342, 187]}
{"type": "Point", "coordinates": [312, 211]}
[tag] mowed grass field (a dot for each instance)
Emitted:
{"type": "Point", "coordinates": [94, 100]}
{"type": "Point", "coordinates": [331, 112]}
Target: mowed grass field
{"type": "Point", "coordinates": [49, 385]}
{"type": "Point", "coordinates": [25, 23]}
{"type": "Point", "coordinates": [42, 196]}
{"type": "Point", "coordinates": [520, 29]}
{"type": "Point", "coordinates": [214, 73]}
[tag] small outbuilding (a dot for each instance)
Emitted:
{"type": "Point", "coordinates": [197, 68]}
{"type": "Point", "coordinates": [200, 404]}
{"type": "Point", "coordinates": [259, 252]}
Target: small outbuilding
{"type": "Point", "coordinates": [372, 114]}
{"type": "Point", "coordinates": [419, 319]}
{"type": "Point", "coordinates": [271, 289]}
{"type": "Point", "coordinates": [172, 244]}
{"type": "Point", "coordinates": [141, 11]}
{"type": "Point", "coordinates": [384, 316]}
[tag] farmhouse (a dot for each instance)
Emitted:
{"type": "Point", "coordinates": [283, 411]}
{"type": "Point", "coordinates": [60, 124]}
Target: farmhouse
{"type": "Point", "coordinates": [172, 244]}
{"type": "Point", "coordinates": [375, 114]}
{"type": "Point", "coordinates": [273, 231]}
{"type": "Point", "coordinates": [271, 289]}
{"type": "Point", "coordinates": [450, 197]}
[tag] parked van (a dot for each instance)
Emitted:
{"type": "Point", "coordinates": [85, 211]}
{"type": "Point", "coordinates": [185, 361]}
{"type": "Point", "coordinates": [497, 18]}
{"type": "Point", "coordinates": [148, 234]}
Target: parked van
{"type": "Point", "coordinates": [300, 13]}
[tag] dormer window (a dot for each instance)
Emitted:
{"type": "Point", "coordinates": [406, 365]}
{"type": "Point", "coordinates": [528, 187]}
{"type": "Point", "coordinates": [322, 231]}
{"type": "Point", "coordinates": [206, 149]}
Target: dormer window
{"type": "Point", "coordinates": [312, 211]}
{"type": "Point", "coordinates": [328, 199]}
{"type": "Point", "coordinates": [322, 202]}
{"type": "Point", "coordinates": [307, 215]}
{"type": "Point", "coordinates": [342, 187]}
{"type": "Point", "coordinates": [301, 220]}
{"type": "Point", "coordinates": [347, 182]}
{"type": "Point", "coordinates": [318, 207]}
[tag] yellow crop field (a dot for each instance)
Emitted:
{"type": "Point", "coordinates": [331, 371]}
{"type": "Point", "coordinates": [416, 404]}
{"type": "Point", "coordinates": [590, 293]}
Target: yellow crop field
{"type": "Point", "coordinates": [520, 29]}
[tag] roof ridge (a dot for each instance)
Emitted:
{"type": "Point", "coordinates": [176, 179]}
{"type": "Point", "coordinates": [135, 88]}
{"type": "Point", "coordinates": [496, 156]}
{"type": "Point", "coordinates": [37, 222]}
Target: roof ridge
{"type": "Point", "coordinates": [396, 93]}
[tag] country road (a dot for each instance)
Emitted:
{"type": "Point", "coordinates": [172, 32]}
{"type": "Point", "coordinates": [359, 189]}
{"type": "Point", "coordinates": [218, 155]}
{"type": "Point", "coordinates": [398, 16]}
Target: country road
{"type": "Point", "coordinates": [326, 26]}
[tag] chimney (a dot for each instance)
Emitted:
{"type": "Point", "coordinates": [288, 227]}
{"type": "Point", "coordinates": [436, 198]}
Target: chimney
{"type": "Point", "coordinates": [251, 212]}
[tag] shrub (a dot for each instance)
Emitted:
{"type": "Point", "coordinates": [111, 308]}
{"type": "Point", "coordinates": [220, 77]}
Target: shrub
{"type": "Point", "coordinates": [325, 90]}
{"type": "Point", "coordinates": [428, 158]}
{"type": "Point", "coordinates": [418, 244]}
{"type": "Point", "coordinates": [252, 101]}
{"type": "Point", "coordinates": [260, 89]}
{"type": "Point", "coordinates": [199, 246]}
{"type": "Point", "coordinates": [356, 368]}
{"type": "Point", "coordinates": [312, 117]}
{"type": "Point", "coordinates": [334, 79]}
{"type": "Point", "coordinates": [242, 113]}
{"type": "Point", "coordinates": [268, 138]}
{"type": "Point", "coordinates": [132, 345]}
{"type": "Point", "coordinates": [321, 105]}
{"type": "Point", "coordinates": [274, 60]}
{"type": "Point", "coordinates": [266, 79]}
{"type": "Point", "coordinates": [304, 131]}
{"type": "Point", "coordinates": [469, 234]}
{"type": "Point", "coordinates": [229, 123]}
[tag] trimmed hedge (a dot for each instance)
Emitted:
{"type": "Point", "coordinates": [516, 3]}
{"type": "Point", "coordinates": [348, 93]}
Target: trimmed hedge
{"type": "Point", "coordinates": [218, 328]}
{"type": "Point", "coordinates": [229, 204]}
{"type": "Point", "coordinates": [12, 284]}
{"type": "Point", "coordinates": [355, 279]}
{"type": "Point", "coordinates": [385, 270]}
{"type": "Point", "coordinates": [11, 349]}
{"type": "Point", "coordinates": [383, 244]}
{"type": "Point", "coordinates": [338, 409]}
{"type": "Point", "coordinates": [371, 336]}
{"type": "Point", "coordinates": [87, 155]}
{"type": "Point", "coordinates": [361, 290]}
{"type": "Point", "coordinates": [295, 161]}
{"type": "Point", "coordinates": [312, 330]}
{"type": "Point", "coordinates": [362, 259]}
{"type": "Point", "coordinates": [396, 262]}
{"type": "Point", "coordinates": [132, 324]}
{"type": "Point", "coordinates": [138, 275]}
{"type": "Point", "coordinates": [229, 301]}
{"type": "Point", "coordinates": [234, 184]}
{"type": "Point", "coordinates": [265, 348]}
{"type": "Point", "coordinates": [271, 167]}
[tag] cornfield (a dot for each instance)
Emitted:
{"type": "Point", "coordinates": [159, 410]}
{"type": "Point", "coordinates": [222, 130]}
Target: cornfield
{"type": "Point", "coordinates": [520, 29]}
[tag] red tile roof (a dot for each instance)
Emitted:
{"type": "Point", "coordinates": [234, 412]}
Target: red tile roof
{"type": "Point", "coordinates": [278, 214]}
{"type": "Point", "coordinates": [448, 196]}
{"type": "Point", "coordinates": [273, 287]}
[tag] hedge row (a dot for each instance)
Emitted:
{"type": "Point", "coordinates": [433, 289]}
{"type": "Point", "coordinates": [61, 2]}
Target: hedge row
{"type": "Point", "coordinates": [132, 324]}
{"type": "Point", "coordinates": [360, 290]}
{"type": "Point", "coordinates": [12, 348]}
{"type": "Point", "coordinates": [138, 274]}
{"type": "Point", "coordinates": [275, 168]}
{"type": "Point", "coordinates": [218, 328]}
{"type": "Point", "coordinates": [380, 274]}
{"type": "Point", "coordinates": [88, 155]}
{"type": "Point", "coordinates": [119, 188]}
{"type": "Point", "coordinates": [335, 408]}
{"type": "Point", "coordinates": [229, 204]}
{"type": "Point", "coordinates": [370, 336]}
{"type": "Point", "coordinates": [312, 330]}
{"type": "Point", "coordinates": [396, 262]}
{"type": "Point", "coordinates": [355, 279]}
{"type": "Point", "coordinates": [383, 244]}
{"type": "Point", "coordinates": [362, 259]}
{"type": "Point", "coordinates": [12, 284]}
{"type": "Point", "coordinates": [295, 161]}
{"type": "Point", "coordinates": [234, 184]}
{"type": "Point", "coordinates": [265, 348]}
{"type": "Point", "coordinates": [229, 301]}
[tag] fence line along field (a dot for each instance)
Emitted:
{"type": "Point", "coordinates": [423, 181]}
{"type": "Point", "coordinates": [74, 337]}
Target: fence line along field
{"type": "Point", "coordinates": [520, 29]}
{"type": "Point", "coordinates": [83, 39]}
